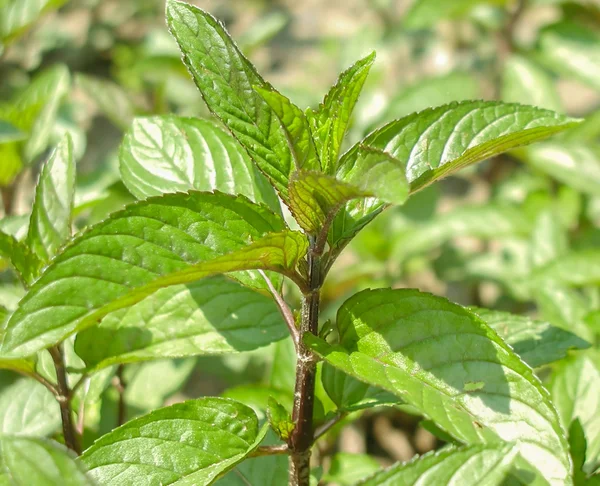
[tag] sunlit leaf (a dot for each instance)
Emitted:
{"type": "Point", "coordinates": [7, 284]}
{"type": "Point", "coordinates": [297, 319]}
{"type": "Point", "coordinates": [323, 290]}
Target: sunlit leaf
{"type": "Point", "coordinates": [484, 465]}
{"type": "Point", "coordinates": [477, 389]}
{"type": "Point", "coordinates": [191, 443]}
{"type": "Point", "coordinates": [39, 462]}
{"type": "Point", "coordinates": [51, 217]}
{"type": "Point", "coordinates": [330, 121]}
{"type": "Point", "coordinates": [207, 49]}
{"type": "Point", "coordinates": [162, 241]}
{"type": "Point", "coordinates": [536, 342]}
{"type": "Point", "coordinates": [174, 154]}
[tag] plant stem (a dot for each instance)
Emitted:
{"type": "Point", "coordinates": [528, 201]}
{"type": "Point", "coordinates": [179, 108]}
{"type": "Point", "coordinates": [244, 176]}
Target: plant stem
{"type": "Point", "coordinates": [286, 312]}
{"type": "Point", "coordinates": [274, 450]}
{"type": "Point", "coordinates": [7, 199]}
{"type": "Point", "coordinates": [119, 384]}
{"type": "Point", "coordinates": [301, 438]}
{"type": "Point", "coordinates": [64, 400]}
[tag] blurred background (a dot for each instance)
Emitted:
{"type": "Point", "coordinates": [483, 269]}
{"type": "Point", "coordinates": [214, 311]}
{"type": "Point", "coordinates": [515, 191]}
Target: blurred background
{"type": "Point", "coordinates": [90, 66]}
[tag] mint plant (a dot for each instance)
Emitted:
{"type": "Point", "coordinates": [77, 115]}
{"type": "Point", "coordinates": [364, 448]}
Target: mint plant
{"type": "Point", "coordinates": [233, 220]}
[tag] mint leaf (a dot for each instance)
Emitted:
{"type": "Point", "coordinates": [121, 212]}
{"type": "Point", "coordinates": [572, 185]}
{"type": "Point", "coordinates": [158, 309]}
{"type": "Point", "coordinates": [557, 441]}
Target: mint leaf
{"type": "Point", "coordinates": [426, 13]}
{"type": "Point", "coordinates": [28, 408]}
{"type": "Point", "coordinates": [51, 218]}
{"type": "Point", "coordinates": [191, 442]}
{"type": "Point", "coordinates": [39, 462]}
{"type": "Point", "coordinates": [346, 469]}
{"type": "Point", "coordinates": [279, 419]}
{"type": "Point", "coordinates": [536, 342]}
{"type": "Point", "coordinates": [10, 133]}
{"type": "Point", "coordinates": [438, 141]}
{"type": "Point", "coordinates": [575, 389]}
{"type": "Point", "coordinates": [296, 127]}
{"type": "Point", "coordinates": [17, 15]}
{"type": "Point", "coordinates": [23, 260]}
{"type": "Point", "coordinates": [485, 465]}
{"type": "Point", "coordinates": [112, 100]}
{"type": "Point", "coordinates": [211, 316]}
{"type": "Point", "coordinates": [162, 241]}
{"type": "Point", "coordinates": [571, 49]}
{"type": "Point", "coordinates": [392, 339]}
{"type": "Point", "coordinates": [330, 122]}
{"type": "Point", "coordinates": [524, 81]}
{"type": "Point", "coordinates": [577, 268]}
{"type": "Point", "coordinates": [572, 163]}
{"type": "Point", "coordinates": [168, 153]}
{"type": "Point", "coordinates": [226, 80]}
{"type": "Point", "coordinates": [315, 198]}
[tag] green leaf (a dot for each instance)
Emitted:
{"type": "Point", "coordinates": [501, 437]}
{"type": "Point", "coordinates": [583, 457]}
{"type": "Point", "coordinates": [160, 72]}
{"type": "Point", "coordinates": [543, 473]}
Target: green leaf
{"type": "Point", "coordinates": [226, 80]}
{"type": "Point", "coordinates": [279, 419]}
{"type": "Point", "coordinates": [34, 109]}
{"type": "Point", "coordinates": [350, 394]}
{"type": "Point", "coordinates": [259, 471]}
{"type": "Point", "coordinates": [436, 142]}
{"type": "Point", "coordinates": [578, 268]}
{"type": "Point", "coordinates": [346, 469]}
{"type": "Point", "coordinates": [188, 443]}
{"type": "Point", "coordinates": [477, 389]}
{"type": "Point", "coordinates": [331, 120]}
{"type": "Point", "coordinates": [28, 408]}
{"type": "Point", "coordinates": [23, 260]}
{"type": "Point", "coordinates": [212, 316]}
{"type": "Point", "coordinates": [10, 133]}
{"type": "Point", "coordinates": [28, 461]}
{"type": "Point", "coordinates": [429, 92]}
{"type": "Point", "coordinates": [572, 163]}
{"type": "Point", "coordinates": [17, 15]}
{"type": "Point", "coordinates": [296, 127]}
{"type": "Point", "coordinates": [112, 100]}
{"type": "Point", "coordinates": [377, 173]}
{"type": "Point", "coordinates": [526, 82]}
{"type": "Point", "coordinates": [315, 199]}
{"type": "Point", "coordinates": [168, 153]}
{"type": "Point", "coordinates": [51, 217]}
{"type": "Point", "coordinates": [575, 389]}
{"type": "Point", "coordinates": [484, 465]}
{"type": "Point", "coordinates": [536, 342]}
{"type": "Point", "coordinates": [571, 49]}
{"type": "Point", "coordinates": [162, 241]}
{"type": "Point", "coordinates": [578, 447]}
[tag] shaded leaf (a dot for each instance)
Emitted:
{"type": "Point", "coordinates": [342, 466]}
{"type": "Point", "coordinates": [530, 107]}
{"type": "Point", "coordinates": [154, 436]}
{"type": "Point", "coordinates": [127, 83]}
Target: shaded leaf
{"type": "Point", "coordinates": [191, 442]}
{"type": "Point", "coordinates": [28, 408]}
{"type": "Point", "coordinates": [162, 241]}
{"type": "Point", "coordinates": [350, 394]}
{"type": "Point", "coordinates": [577, 446]}
{"type": "Point", "coordinates": [207, 48]}
{"type": "Point", "coordinates": [10, 133]}
{"type": "Point", "coordinates": [211, 316]}
{"type": "Point", "coordinates": [536, 342]}
{"type": "Point", "coordinates": [168, 153]}
{"type": "Point", "coordinates": [391, 339]}
{"type": "Point", "coordinates": [484, 465]}
{"type": "Point", "coordinates": [28, 461]}
{"type": "Point", "coordinates": [23, 260]}
{"type": "Point", "coordinates": [346, 469]}
{"type": "Point", "coordinates": [575, 389]}
{"type": "Point", "coordinates": [330, 121]}
{"type": "Point", "coordinates": [51, 217]}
